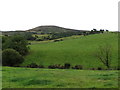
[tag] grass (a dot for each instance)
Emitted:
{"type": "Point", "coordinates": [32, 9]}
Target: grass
{"type": "Point", "coordinates": [74, 50]}
{"type": "Point", "coordinates": [48, 41]}
{"type": "Point", "coordinates": [58, 78]}
{"type": "Point", "coordinates": [80, 50]}
{"type": "Point", "coordinates": [40, 35]}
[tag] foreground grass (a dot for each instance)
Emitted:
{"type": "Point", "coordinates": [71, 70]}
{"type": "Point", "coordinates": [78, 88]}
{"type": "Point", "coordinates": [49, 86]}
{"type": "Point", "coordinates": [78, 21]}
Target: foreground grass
{"type": "Point", "coordinates": [58, 78]}
{"type": "Point", "coordinates": [80, 50]}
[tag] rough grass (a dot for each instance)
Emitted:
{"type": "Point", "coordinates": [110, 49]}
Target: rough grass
{"type": "Point", "coordinates": [79, 50]}
{"type": "Point", "coordinates": [56, 78]}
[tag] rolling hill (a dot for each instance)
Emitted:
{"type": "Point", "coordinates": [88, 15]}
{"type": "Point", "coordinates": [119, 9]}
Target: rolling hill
{"type": "Point", "coordinates": [46, 29]}
{"type": "Point", "coordinates": [52, 29]}
{"type": "Point", "coordinates": [79, 51]}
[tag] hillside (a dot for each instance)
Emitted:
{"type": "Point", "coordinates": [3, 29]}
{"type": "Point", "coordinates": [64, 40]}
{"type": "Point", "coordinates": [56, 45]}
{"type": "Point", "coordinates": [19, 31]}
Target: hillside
{"type": "Point", "coordinates": [81, 51]}
{"type": "Point", "coordinates": [52, 29]}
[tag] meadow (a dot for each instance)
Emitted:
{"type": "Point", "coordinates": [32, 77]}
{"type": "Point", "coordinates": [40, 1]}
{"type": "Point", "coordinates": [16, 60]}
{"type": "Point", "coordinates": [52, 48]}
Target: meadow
{"type": "Point", "coordinates": [56, 78]}
{"type": "Point", "coordinates": [76, 51]}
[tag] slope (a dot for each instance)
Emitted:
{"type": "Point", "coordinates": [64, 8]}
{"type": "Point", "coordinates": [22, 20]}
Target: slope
{"type": "Point", "coordinates": [81, 51]}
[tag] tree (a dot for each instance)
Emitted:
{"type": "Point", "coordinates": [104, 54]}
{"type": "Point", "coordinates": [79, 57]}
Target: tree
{"type": "Point", "coordinates": [107, 30]}
{"type": "Point", "coordinates": [102, 30]}
{"type": "Point", "coordinates": [28, 36]}
{"type": "Point", "coordinates": [104, 55]}
{"type": "Point", "coordinates": [11, 57]}
{"type": "Point", "coordinates": [94, 29]}
{"type": "Point", "coordinates": [17, 43]}
{"type": "Point", "coordinates": [67, 65]}
{"type": "Point", "coordinates": [4, 38]}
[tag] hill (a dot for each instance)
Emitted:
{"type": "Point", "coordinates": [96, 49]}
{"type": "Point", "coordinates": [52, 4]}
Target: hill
{"type": "Point", "coordinates": [47, 29]}
{"type": "Point", "coordinates": [52, 29]}
{"type": "Point", "coordinates": [81, 51]}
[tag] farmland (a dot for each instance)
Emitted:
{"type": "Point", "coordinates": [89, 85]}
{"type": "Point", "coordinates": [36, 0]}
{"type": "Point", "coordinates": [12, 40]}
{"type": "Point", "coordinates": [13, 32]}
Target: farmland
{"type": "Point", "coordinates": [80, 50]}
{"type": "Point", "coordinates": [75, 50]}
{"type": "Point", "coordinates": [56, 78]}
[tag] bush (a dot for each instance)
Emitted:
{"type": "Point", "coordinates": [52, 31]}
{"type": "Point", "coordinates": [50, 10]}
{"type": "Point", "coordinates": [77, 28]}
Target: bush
{"type": "Point", "coordinates": [77, 67]}
{"type": "Point", "coordinates": [11, 57]}
{"type": "Point", "coordinates": [18, 43]}
{"type": "Point", "coordinates": [40, 66]}
{"type": "Point", "coordinates": [62, 67]}
{"type": "Point", "coordinates": [55, 66]}
{"type": "Point", "coordinates": [29, 43]}
{"type": "Point", "coordinates": [67, 65]}
{"type": "Point", "coordinates": [99, 68]}
{"type": "Point", "coordinates": [118, 68]}
{"type": "Point", "coordinates": [33, 65]}
{"type": "Point", "coordinates": [51, 66]}
{"type": "Point", "coordinates": [58, 40]}
{"type": "Point", "coordinates": [93, 69]}
{"type": "Point", "coordinates": [39, 39]}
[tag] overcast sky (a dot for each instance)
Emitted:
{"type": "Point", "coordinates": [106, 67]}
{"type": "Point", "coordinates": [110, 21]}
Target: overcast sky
{"type": "Point", "coordinates": [75, 14]}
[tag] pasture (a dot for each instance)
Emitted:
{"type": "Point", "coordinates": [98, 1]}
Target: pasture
{"type": "Point", "coordinates": [56, 78]}
{"type": "Point", "coordinates": [76, 51]}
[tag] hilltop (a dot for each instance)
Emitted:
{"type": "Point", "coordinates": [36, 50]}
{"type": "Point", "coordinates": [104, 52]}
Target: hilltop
{"type": "Point", "coordinates": [46, 29]}
{"type": "Point", "coordinates": [52, 29]}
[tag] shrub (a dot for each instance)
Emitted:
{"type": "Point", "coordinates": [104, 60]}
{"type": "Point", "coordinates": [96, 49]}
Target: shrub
{"type": "Point", "coordinates": [58, 40]}
{"type": "Point", "coordinates": [11, 57]}
{"type": "Point", "coordinates": [33, 65]}
{"type": "Point", "coordinates": [99, 68]}
{"type": "Point", "coordinates": [77, 67]}
{"type": "Point", "coordinates": [51, 66]}
{"type": "Point", "coordinates": [67, 65]}
{"type": "Point", "coordinates": [93, 69]}
{"type": "Point", "coordinates": [40, 66]}
{"type": "Point", "coordinates": [62, 67]}
{"type": "Point", "coordinates": [18, 43]}
{"type": "Point", "coordinates": [39, 39]}
{"type": "Point", "coordinates": [54, 66]}
{"type": "Point", "coordinates": [118, 68]}
{"type": "Point", "coordinates": [57, 65]}
{"type": "Point", "coordinates": [29, 43]}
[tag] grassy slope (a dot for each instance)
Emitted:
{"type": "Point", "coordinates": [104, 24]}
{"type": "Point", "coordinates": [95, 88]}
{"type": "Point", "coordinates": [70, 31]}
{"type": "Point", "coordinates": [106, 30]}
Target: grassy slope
{"type": "Point", "coordinates": [74, 51]}
{"type": "Point", "coordinates": [57, 78]}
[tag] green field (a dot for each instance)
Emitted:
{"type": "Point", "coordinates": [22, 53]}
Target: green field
{"type": "Point", "coordinates": [76, 50]}
{"type": "Point", "coordinates": [80, 50]}
{"type": "Point", "coordinates": [58, 78]}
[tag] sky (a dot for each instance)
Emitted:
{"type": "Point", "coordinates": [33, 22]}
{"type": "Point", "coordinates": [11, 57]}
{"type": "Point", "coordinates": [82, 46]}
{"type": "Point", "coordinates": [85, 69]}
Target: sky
{"type": "Point", "coordinates": [74, 14]}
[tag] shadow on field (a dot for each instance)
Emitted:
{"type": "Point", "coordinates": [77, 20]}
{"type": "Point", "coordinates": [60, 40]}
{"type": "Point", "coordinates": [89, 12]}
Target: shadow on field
{"type": "Point", "coordinates": [31, 81]}
{"type": "Point", "coordinates": [36, 82]}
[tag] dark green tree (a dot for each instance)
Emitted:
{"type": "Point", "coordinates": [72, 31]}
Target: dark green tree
{"type": "Point", "coordinates": [11, 57]}
{"type": "Point", "coordinates": [17, 43]}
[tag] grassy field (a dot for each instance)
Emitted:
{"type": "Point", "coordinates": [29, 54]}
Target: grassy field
{"type": "Point", "coordinates": [48, 41]}
{"type": "Point", "coordinates": [80, 50]}
{"type": "Point", "coordinates": [56, 78]}
{"type": "Point", "coordinates": [74, 50]}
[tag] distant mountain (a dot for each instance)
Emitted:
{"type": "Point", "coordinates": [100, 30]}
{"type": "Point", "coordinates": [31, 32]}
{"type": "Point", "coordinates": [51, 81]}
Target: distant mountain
{"type": "Point", "coordinates": [53, 29]}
